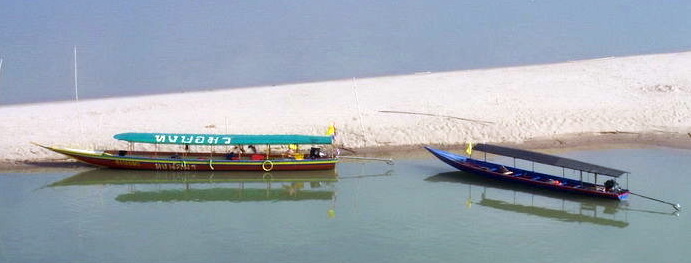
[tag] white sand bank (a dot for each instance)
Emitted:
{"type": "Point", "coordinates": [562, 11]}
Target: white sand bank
{"type": "Point", "coordinates": [640, 94]}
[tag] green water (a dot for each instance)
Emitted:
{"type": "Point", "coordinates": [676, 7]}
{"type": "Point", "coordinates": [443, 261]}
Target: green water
{"type": "Point", "coordinates": [418, 210]}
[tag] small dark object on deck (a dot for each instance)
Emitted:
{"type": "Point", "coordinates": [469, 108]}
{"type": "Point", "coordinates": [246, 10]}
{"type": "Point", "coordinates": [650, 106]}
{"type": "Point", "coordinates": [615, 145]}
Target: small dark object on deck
{"type": "Point", "coordinates": [314, 153]}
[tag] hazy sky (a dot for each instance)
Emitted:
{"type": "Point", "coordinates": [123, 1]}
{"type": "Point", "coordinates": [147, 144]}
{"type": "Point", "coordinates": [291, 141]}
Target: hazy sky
{"type": "Point", "coordinates": [141, 47]}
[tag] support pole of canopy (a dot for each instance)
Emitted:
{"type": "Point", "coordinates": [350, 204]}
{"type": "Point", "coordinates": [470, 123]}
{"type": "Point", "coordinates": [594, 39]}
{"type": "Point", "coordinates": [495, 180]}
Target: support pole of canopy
{"type": "Point", "coordinates": [268, 151]}
{"type": "Point", "coordinates": [548, 159]}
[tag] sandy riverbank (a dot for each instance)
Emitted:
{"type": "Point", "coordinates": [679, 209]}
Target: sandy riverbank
{"type": "Point", "coordinates": [637, 98]}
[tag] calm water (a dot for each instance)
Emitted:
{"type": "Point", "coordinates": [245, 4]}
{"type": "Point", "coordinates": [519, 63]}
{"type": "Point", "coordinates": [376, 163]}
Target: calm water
{"type": "Point", "coordinates": [142, 47]}
{"type": "Point", "coordinates": [418, 210]}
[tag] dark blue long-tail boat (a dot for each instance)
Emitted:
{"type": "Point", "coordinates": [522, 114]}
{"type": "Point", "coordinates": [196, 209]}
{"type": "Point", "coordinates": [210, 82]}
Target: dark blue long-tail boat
{"type": "Point", "coordinates": [610, 189]}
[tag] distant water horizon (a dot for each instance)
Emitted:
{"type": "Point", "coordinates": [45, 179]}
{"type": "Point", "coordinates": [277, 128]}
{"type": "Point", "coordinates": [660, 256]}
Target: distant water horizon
{"type": "Point", "coordinates": [304, 81]}
{"type": "Point", "coordinates": [158, 47]}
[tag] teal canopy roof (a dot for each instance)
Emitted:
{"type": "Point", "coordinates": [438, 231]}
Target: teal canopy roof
{"type": "Point", "coordinates": [221, 139]}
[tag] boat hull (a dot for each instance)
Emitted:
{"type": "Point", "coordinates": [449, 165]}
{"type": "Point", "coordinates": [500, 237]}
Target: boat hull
{"type": "Point", "coordinates": [103, 159]}
{"type": "Point", "coordinates": [545, 181]}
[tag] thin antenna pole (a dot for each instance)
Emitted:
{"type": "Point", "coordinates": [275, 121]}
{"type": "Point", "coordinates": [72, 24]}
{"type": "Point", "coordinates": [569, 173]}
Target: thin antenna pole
{"type": "Point", "coordinates": [357, 103]}
{"type": "Point", "coordinates": [76, 90]}
{"type": "Point", "coordinates": [0, 67]}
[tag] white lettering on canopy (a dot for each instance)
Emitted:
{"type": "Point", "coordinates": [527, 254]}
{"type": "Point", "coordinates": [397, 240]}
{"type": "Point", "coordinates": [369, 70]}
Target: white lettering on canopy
{"type": "Point", "coordinates": [192, 139]}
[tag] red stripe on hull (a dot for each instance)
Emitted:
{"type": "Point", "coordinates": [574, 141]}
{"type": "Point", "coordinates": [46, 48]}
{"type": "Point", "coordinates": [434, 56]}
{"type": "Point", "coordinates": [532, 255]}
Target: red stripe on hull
{"type": "Point", "coordinates": [195, 165]}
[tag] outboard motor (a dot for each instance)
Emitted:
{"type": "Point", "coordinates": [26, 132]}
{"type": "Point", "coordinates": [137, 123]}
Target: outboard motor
{"type": "Point", "coordinates": [314, 153]}
{"type": "Point", "coordinates": [612, 186]}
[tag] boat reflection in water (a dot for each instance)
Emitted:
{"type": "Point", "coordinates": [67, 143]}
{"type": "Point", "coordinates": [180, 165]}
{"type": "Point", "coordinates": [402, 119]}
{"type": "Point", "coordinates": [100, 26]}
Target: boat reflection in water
{"type": "Point", "coordinates": [215, 186]}
{"type": "Point", "coordinates": [542, 203]}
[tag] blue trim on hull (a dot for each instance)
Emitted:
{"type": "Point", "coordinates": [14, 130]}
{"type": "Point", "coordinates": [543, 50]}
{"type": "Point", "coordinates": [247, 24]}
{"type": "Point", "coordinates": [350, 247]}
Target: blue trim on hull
{"type": "Point", "coordinates": [545, 181]}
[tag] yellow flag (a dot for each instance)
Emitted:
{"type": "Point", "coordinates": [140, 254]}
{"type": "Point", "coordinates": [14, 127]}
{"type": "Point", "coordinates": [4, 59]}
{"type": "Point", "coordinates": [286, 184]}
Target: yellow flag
{"type": "Point", "coordinates": [469, 148]}
{"type": "Point", "coordinates": [331, 130]}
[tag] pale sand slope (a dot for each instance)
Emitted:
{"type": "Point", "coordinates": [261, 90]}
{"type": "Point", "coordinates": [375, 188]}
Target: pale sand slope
{"type": "Point", "coordinates": [630, 94]}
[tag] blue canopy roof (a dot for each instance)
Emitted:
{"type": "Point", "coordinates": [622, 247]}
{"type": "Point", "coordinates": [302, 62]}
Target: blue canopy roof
{"type": "Point", "coordinates": [221, 139]}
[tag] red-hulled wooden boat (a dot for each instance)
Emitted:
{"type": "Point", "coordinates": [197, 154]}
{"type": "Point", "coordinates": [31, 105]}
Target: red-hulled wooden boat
{"type": "Point", "coordinates": [291, 160]}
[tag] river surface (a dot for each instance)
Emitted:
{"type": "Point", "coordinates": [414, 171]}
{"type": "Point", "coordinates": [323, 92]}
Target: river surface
{"type": "Point", "coordinates": [126, 48]}
{"type": "Point", "coordinates": [418, 210]}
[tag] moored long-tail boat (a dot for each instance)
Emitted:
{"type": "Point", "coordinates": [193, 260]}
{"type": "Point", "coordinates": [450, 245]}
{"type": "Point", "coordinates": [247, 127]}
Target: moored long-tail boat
{"type": "Point", "coordinates": [235, 160]}
{"type": "Point", "coordinates": [610, 189]}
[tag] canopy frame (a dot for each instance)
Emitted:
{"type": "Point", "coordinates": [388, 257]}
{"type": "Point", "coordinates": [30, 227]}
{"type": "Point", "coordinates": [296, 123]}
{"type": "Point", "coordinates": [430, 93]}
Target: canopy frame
{"type": "Point", "coordinates": [549, 160]}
